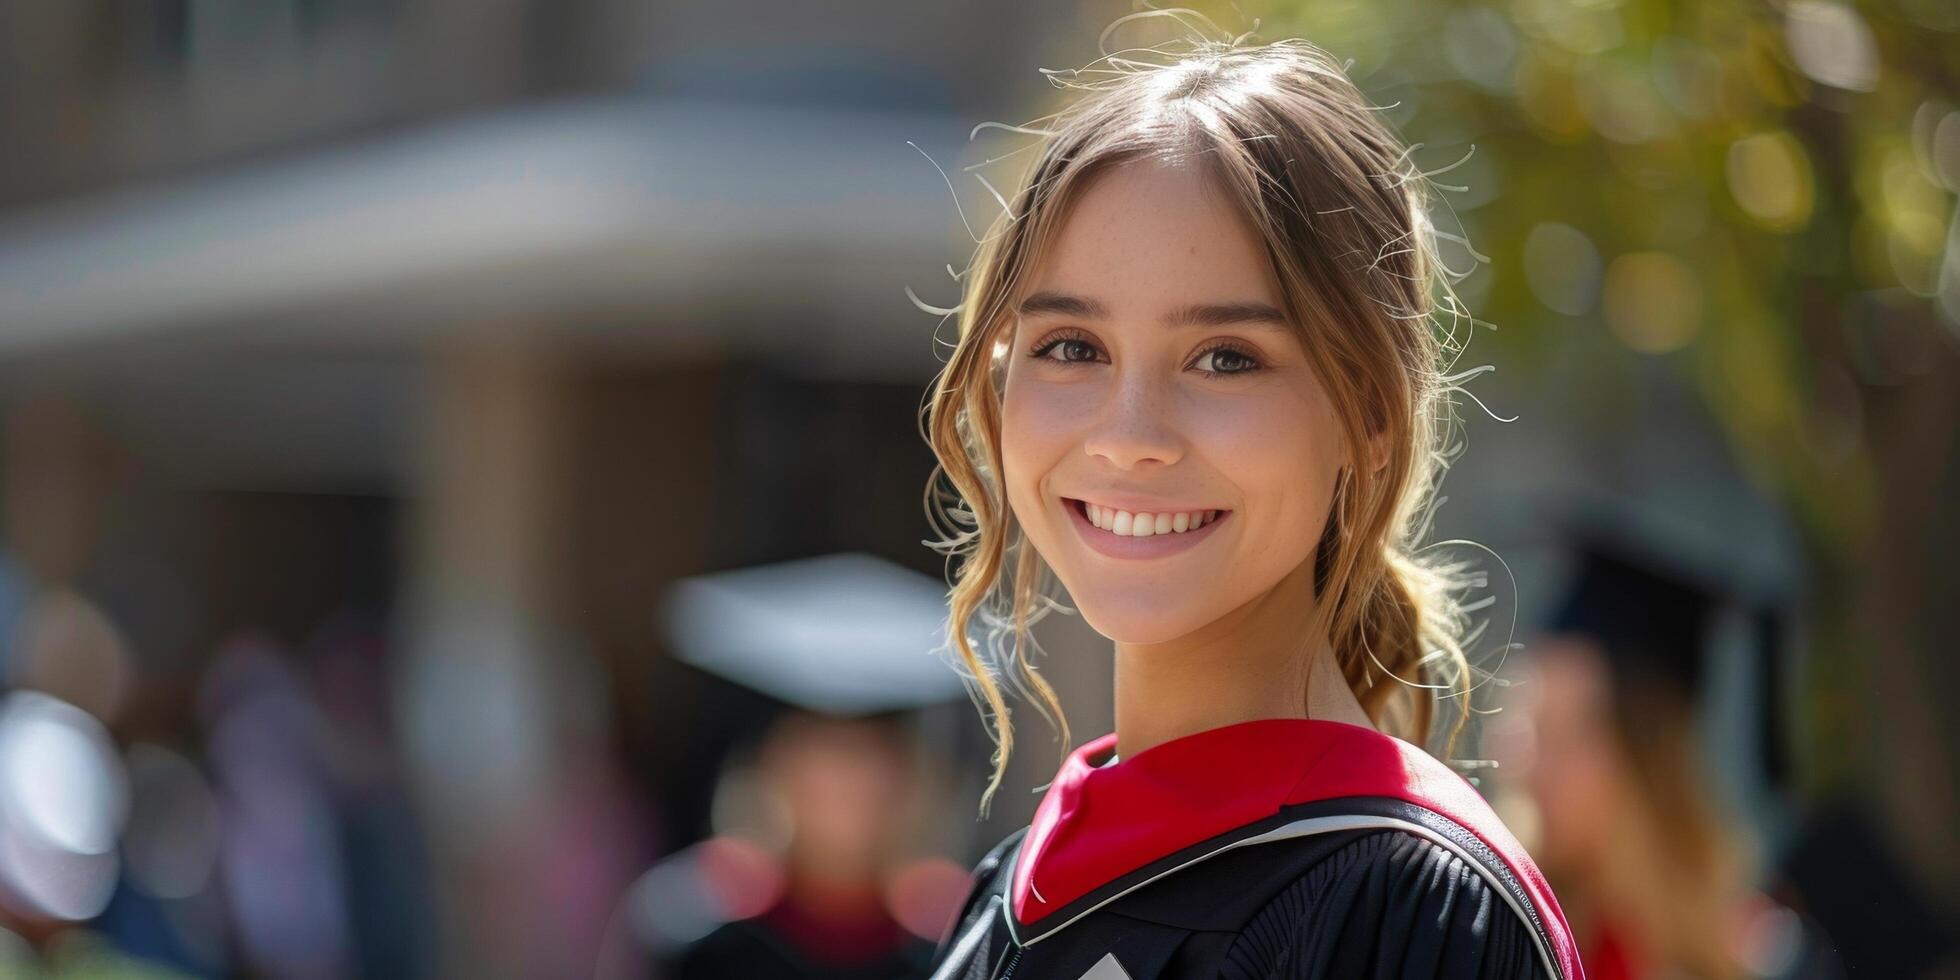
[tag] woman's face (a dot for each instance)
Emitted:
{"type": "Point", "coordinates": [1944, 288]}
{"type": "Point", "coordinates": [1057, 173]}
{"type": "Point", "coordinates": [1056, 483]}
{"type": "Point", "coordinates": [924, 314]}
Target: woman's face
{"type": "Point", "coordinates": [1152, 371]}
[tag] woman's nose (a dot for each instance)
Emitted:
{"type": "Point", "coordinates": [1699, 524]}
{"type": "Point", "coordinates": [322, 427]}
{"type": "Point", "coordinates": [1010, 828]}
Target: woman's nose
{"type": "Point", "coordinates": [1134, 425]}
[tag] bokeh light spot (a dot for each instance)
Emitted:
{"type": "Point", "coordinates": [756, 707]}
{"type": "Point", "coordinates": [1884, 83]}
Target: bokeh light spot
{"type": "Point", "coordinates": [1770, 178]}
{"type": "Point", "coordinates": [1562, 268]}
{"type": "Point", "coordinates": [1652, 302]}
{"type": "Point", "coordinates": [1832, 44]}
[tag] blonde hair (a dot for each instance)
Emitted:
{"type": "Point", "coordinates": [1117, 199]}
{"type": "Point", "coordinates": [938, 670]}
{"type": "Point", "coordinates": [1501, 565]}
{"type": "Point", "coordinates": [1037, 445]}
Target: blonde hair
{"type": "Point", "coordinates": [1342, 211]}
{"type": "Point", "coordinates": [1681, 867]}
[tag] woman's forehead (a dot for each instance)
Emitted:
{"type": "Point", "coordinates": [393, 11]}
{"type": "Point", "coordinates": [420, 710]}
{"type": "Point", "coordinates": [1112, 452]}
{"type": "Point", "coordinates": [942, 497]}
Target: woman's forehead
{"type": "Point", "coordinates": [1147, 237]}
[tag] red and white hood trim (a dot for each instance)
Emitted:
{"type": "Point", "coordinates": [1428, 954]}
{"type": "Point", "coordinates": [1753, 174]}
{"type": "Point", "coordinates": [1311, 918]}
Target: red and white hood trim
{"type": "Point", "coordinates": [1101, 832]}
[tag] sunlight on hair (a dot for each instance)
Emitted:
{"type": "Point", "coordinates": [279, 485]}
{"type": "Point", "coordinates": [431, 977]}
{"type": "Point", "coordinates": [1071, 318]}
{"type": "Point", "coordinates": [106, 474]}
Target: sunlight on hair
{"type": "Point", "coordinates": [1350, 230]}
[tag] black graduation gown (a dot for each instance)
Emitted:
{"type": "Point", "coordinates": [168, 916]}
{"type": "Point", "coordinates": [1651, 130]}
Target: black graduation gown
{"type": "Point", "coordinates": [1279, 848]}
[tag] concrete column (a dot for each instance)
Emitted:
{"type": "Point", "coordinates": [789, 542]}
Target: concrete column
{"type": "Point", "coordinates": [483, 653]}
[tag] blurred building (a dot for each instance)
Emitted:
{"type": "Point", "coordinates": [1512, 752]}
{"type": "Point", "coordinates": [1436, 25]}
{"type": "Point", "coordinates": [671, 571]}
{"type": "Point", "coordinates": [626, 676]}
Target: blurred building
{"type": "Point", "coordinates": [482, 322]}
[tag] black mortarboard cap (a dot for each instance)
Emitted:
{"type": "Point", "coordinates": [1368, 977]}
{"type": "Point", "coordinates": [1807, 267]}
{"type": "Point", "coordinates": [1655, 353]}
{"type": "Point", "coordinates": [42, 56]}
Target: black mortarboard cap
{"type": "Point", "coordinates": [1649, 619]}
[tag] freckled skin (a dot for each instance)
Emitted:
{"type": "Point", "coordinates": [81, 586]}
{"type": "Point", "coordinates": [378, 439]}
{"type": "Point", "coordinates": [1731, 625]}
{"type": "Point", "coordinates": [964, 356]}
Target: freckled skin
{"type": "Point", "coordinates": [1143, 239]}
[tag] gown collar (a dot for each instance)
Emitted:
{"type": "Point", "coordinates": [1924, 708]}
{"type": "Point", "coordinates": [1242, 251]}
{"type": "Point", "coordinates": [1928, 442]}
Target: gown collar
{"type": "Point", "coordinates": [1097, 824]}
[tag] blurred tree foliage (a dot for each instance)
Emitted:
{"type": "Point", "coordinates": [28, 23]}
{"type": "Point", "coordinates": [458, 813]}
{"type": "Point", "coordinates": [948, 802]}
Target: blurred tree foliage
{"type": "Point", "coordinates": [1762, 195]}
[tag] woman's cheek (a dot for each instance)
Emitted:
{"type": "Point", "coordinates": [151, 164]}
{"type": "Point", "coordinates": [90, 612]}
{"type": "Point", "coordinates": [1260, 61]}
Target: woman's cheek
{"type": "Point", "coordinates": [1040, 416]}
{"type": "Point", "coordinates": [1274, 451]}
{"type": "Point", "coordinates": [1031, 432]}
{"type": "Point", "coordinates": [1250, 441]}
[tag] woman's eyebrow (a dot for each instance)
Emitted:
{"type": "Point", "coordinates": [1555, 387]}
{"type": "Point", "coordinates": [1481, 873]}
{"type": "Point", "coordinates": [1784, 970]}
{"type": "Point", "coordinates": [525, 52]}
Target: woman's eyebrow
{"type": "Point", "coordinates": [1244, 312]}
{"type": "Point", "coordinates": [1062, 304]}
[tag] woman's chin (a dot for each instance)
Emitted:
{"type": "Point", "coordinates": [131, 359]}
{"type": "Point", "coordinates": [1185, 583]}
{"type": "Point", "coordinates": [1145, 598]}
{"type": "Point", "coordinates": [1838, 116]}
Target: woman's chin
{"type": "Point", "coordinates": [1138, 625]}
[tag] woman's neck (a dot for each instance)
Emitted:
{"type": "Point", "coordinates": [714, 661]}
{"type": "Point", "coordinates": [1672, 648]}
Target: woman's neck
{"type": "Point", "coordinates": [1251, 664]}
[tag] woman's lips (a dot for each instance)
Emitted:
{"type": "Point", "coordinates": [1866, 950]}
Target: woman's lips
{"type": "Point", "coordinates": [1125, 546]}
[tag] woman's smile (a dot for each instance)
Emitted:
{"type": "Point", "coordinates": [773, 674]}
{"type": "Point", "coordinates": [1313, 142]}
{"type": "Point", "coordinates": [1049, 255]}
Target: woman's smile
{"type": "Point", "coordinates": [1141, 534]}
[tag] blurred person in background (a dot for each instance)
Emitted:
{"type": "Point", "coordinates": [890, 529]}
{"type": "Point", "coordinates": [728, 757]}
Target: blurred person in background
{"type": "Point", "coordinates": [841, 794]}
{"type": "Point", "coordinates": [76, 884]}
{"type": "Point", "coordinates": [1659, 877]}
{"type": "Point", "coordinates": [820, 863]}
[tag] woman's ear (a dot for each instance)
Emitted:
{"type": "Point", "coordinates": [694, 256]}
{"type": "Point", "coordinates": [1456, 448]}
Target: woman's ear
{"type": "Point", "coordinates": [1375, 451]}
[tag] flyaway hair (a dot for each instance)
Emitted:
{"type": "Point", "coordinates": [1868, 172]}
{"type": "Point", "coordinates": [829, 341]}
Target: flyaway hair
{"type": "Point", "coordinates": [1344, 216]}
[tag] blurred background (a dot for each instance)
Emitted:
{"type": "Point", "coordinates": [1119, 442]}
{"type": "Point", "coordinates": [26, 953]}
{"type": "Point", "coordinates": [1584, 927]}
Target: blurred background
{"type": "Point", "coordinates": [389, 388]}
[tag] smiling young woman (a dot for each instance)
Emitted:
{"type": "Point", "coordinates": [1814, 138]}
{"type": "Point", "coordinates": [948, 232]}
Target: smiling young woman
{"type": "Point", "coordinates": [1199, 381]}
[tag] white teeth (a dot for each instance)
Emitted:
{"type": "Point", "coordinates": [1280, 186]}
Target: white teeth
{"type": "Point", "coordinates": [1135, 525]}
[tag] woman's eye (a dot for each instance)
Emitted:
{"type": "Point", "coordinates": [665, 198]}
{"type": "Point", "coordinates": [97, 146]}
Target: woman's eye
{"type": "Point", "coordinates": [1068, 350]}
{"type": "Point", "coordinates": [1225, 360]}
